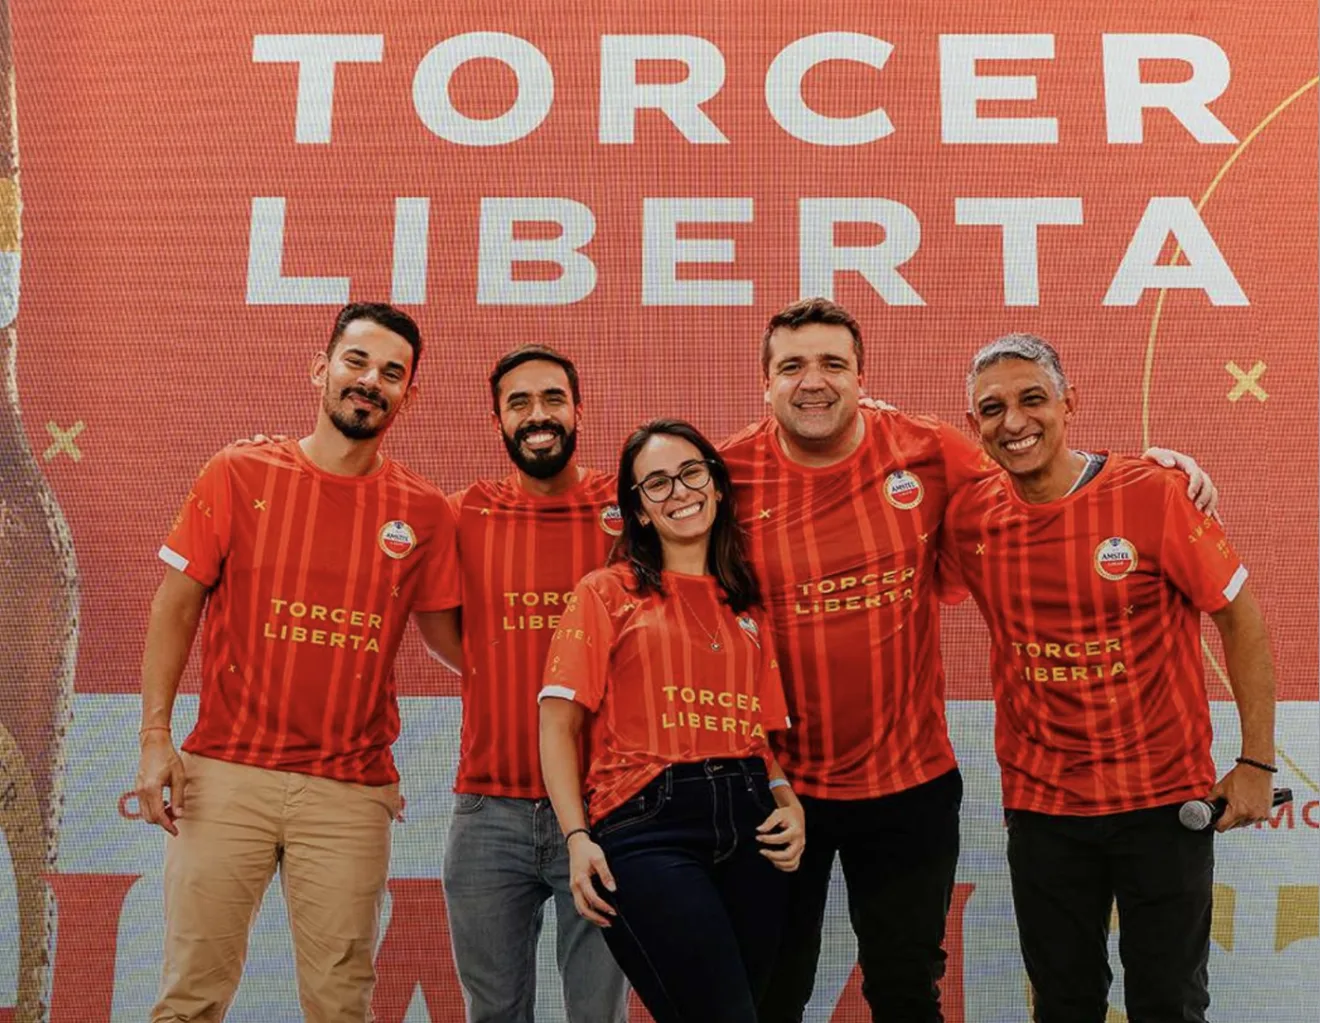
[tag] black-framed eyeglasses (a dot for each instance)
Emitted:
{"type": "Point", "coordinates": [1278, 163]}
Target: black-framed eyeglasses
{"type": "Point", "coordinates": [659, 486]}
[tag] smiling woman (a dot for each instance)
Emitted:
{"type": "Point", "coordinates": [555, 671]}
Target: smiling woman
{"type": "Point", "coordinates": [692, 822]}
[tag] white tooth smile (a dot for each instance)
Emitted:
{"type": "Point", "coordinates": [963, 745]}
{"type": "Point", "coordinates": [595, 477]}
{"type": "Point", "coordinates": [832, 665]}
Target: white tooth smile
{"type": "Point", "coordinates": [688, 511]}
{"type": "Point", "coordinates": [1023, 444]}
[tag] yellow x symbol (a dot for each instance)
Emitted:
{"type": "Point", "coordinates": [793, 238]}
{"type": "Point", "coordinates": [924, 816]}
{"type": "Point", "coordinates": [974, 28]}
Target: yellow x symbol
{"type": "Point", "coordinates": [922, 537]}
{"type": "Point", "coordinates": [259, 504]}
{"type": "Point", "coordinates": [765, 512]}
{"type": "Point", "coordinates": [1246, 381]}
{"type": "Point", "coordinates": [980, 548]}
{"type": "Point", "coordinates": [64, 441]}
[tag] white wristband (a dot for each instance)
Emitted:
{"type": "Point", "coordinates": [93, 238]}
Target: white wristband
{"type": "Point", "coordinates": [778, 783]}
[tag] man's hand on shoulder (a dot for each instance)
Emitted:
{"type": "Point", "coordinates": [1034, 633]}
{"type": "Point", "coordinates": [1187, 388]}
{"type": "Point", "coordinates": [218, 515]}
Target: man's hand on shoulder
{"type": "Point", "coordinates": [257, 439]}
{"type": "Point", "coordinates": [1201, 488]}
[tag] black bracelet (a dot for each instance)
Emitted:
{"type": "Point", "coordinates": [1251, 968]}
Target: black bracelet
{"type": "Point", "coordinates": [577, 831]}
{"type": "Point", "coordinates": [1258, 765]}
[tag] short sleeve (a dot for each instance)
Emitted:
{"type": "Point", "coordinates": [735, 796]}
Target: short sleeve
{"type": "Point", "coordinates": [578, 660]}
{"type": "Point", "coordinates": [441, 585]}
{"type": "Point", "coordinates": [949, 584]}
{"type": "Point", "coordinates": [1195, 553]}
{"type": "Point", "coordinates": [770, 686]}
{"type": "Point", "coordinates": [198, 541]}
{"type": "Point", "coordinates": [964, 460]}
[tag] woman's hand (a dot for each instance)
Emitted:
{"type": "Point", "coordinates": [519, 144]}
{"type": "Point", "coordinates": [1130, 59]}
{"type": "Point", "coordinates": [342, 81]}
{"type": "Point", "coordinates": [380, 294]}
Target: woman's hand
{"type": "Point", "coordinates": [586, 860]}
{"type": "Point", "coordinates": [784, 833]}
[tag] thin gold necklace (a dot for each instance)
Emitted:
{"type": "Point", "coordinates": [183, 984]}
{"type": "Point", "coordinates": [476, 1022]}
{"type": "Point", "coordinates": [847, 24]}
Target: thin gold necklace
{"type": "Point", "coordinates": [712, 636]}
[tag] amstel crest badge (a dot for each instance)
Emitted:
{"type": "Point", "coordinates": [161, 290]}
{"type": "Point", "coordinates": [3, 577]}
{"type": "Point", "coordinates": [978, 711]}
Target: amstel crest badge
{"type": "Point", "coordinates": [903, 489]}
{"type": "Point", "coordinates": [396, 538]}
{"type": "Point", "coordinates": [1115, 558]}
{"type": "Point", "coordinates": [611, 520]}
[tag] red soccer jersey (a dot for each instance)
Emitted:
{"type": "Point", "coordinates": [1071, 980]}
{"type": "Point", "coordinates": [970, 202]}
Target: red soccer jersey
{"type": "Point", "coordinates": [846, 555]}
{"type": "Point", "coordinates": [522, 555]}
{"type": "Point", "coordinates": [312, 578]}
{"type": "Point", "coordinates": [1094, 605]}
{"type": "Point", "coordinates": [648, 668]}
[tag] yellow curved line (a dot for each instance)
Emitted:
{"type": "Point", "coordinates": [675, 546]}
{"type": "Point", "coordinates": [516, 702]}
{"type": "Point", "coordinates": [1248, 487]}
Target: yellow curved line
{"type": "Point", "coordinates": [1297, 770]}
{"type": "Point", "coordinates": [1177, 252]}
{"type": "Point", "coordinates": [1149, 367]}
{"type": "Point", "coordinates": [1223, 677]}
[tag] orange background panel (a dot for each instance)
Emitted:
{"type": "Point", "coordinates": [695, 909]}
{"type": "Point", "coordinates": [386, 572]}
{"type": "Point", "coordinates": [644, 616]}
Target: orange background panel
{"type": "Point", "coordinates": [146, 132]}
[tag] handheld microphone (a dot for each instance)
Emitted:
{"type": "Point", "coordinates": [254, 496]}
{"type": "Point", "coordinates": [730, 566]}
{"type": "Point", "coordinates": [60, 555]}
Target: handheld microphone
{"type": "Point", "coordinates": [1200, 814]}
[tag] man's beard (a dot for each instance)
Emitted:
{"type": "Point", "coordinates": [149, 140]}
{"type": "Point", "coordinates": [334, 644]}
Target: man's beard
{"type": "Point", "coordinates": [353, 423]}
{"type": "Point", "coordinates": [541, 465]}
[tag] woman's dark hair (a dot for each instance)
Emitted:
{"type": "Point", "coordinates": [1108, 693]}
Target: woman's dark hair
{"type": "Point", "coordinates": [639, 545]}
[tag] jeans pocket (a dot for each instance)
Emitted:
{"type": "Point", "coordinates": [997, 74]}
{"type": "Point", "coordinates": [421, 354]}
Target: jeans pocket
{"type": "Point", "coordinates": [642, 807]}
{"type": "Point", "coordinates": [761, 795]}
{"type": "Point", "coordinates": [468, 802]}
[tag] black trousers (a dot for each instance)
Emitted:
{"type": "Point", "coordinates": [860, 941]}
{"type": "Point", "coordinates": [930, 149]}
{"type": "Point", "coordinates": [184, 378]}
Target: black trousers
{"type": "Point", "coordinates": [899, 855]}
{"type": "Point", "coordinates": [699, 908]}
{"type": "Point", "coordinates": [1068, 872]}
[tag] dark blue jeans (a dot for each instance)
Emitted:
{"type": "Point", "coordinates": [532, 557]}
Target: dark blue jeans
{"type": "Point", "coordinates": [699, 908]}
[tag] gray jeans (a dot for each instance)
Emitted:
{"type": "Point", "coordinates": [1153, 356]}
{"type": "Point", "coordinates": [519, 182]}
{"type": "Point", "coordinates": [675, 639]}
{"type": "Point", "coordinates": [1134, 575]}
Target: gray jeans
{"type": "Point", "coordinates": [504, 859]}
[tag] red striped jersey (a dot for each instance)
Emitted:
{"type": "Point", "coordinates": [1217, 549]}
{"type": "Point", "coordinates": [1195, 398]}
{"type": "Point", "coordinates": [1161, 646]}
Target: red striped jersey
{"type": "Point", "coordinates": [846, 555]}
{"type": "Point", "coordinates": [522, 555]}
{"type": "Point", "coordinates": [1094, 604]}
{"type": "Point", "coordinates": [672, 679]}
{"type": "Point", "coordinates": [312, 578]}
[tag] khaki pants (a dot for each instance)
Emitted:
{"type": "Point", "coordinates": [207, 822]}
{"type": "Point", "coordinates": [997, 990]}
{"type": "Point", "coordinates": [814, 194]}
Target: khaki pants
{"type": "Point", "coordinates": [331, 843]}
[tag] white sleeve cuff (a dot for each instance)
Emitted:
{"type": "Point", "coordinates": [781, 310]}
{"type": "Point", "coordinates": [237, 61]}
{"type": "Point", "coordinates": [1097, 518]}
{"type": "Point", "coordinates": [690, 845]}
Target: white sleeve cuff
{"type": "Point", "coordinates": [173, 558]}
{"type": "Point", "coordinates": [558, 692]}
{"type": "Point", "coordinates": [1235, 584]}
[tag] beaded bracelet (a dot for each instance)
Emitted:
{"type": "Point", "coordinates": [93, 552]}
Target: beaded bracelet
{"type": "Point", "coordinates": [1258, 765]}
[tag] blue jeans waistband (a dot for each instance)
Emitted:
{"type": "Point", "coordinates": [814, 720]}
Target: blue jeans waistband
{"type": "Point", "coordinates": [716, 767]}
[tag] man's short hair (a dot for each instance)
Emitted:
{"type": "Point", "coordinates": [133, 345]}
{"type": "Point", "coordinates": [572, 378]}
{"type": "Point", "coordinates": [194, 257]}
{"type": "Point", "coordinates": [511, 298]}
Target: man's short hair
{"type": "Point", "coordinates": [510, 361]}
{"type": "Point", "coordinates": [811, 310]}
{"type": "Point", "coordinates": [1028, 348]}
{"type": "Point", "coordinates": [383, 315]}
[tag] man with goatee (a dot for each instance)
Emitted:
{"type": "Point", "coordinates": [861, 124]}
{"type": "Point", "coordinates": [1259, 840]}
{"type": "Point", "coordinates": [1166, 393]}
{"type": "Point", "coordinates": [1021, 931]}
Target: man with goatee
{"type": "Point", "coordinates": [525, 541]}
{"type": "Point", "coordinates": [309, 556]}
